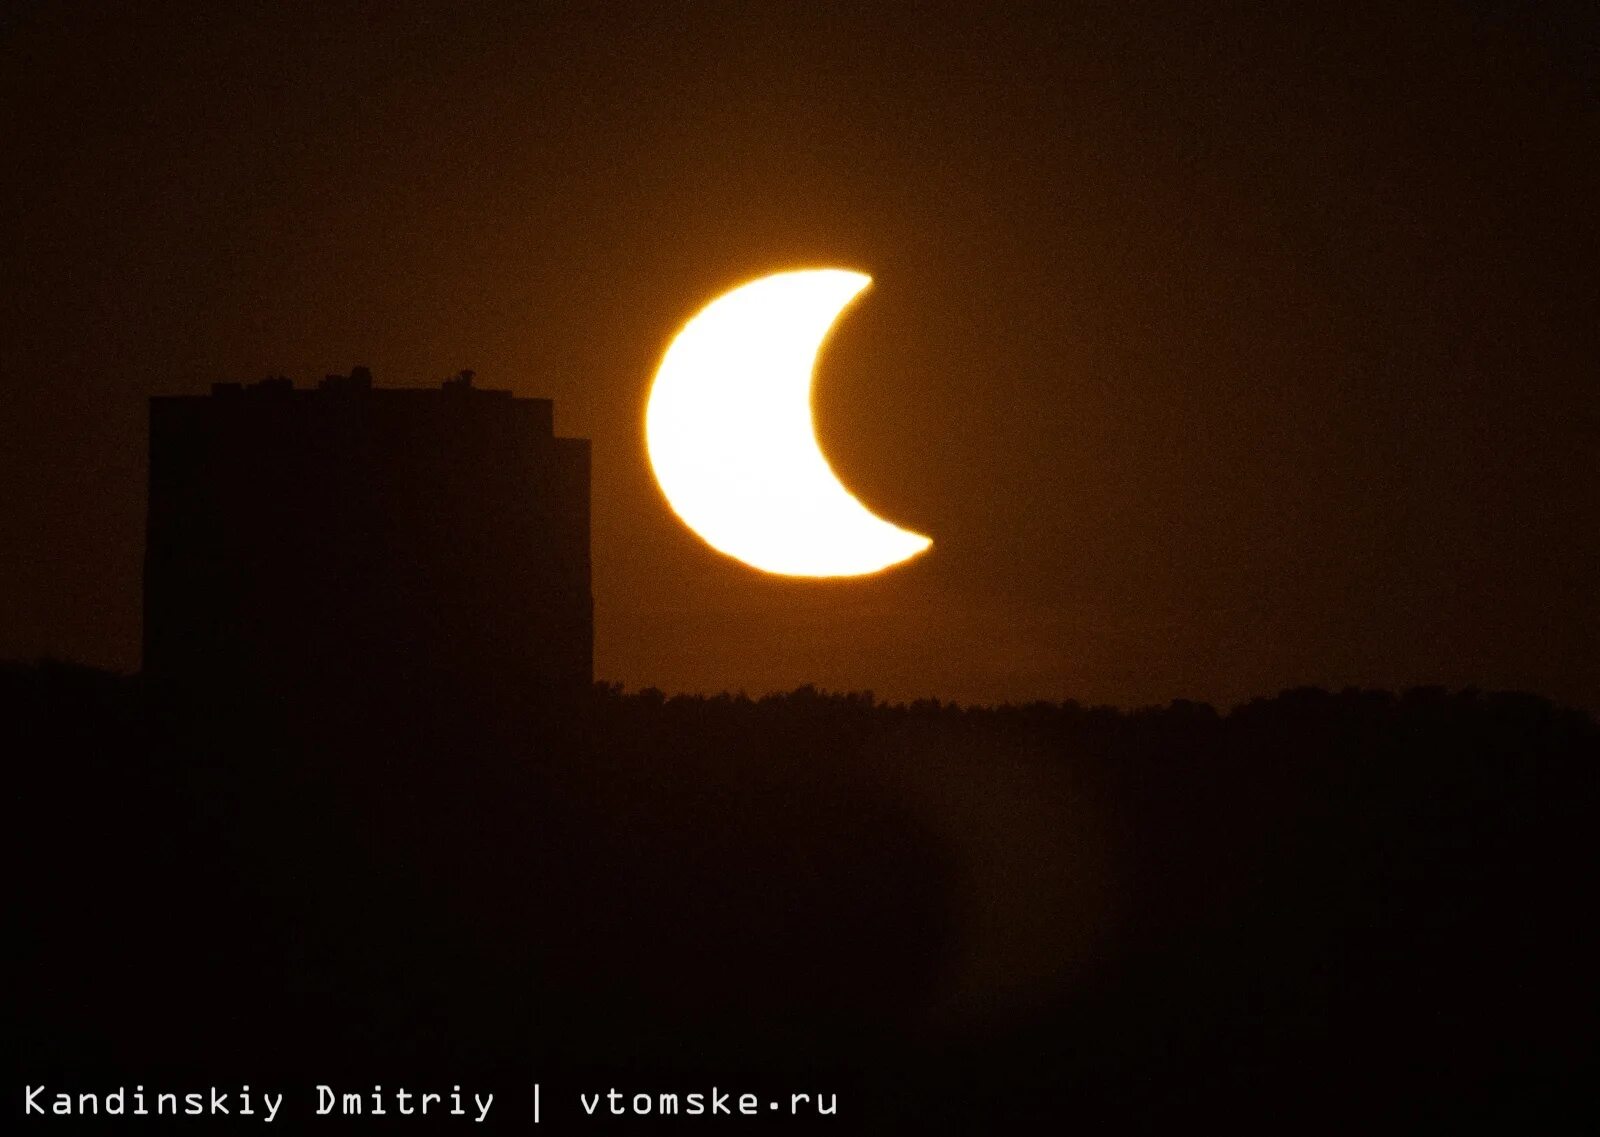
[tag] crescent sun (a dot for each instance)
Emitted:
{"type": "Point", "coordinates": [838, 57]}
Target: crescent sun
{"type": "Point", "coordinates": [733, 444]}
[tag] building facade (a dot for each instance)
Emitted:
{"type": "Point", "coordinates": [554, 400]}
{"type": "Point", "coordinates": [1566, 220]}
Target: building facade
{"type": "Point", "coordinates": [389, 550]}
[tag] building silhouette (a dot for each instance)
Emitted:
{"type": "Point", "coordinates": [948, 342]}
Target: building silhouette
{"type": "Point", "coordinates": [357, 551]}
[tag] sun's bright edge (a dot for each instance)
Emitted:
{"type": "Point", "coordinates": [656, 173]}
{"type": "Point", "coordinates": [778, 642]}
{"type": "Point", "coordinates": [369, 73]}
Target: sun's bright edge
{"type": "Point", "coordinates": [732, 440]}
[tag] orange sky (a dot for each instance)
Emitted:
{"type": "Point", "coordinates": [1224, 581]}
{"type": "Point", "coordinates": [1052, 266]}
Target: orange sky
{"type": "Point", "coordinates": [1215, 357]}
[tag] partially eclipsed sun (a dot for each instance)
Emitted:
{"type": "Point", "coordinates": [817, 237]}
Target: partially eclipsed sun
{"type": "Point", "coordinates": [731, 437]}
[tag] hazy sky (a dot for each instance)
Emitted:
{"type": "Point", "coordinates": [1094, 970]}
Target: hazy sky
{"type": "Point", "coordinates": [1216, 354]}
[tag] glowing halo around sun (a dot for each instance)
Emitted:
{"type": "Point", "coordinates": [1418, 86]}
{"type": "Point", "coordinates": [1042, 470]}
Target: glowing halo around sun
{"type": "Point", "coordinates": [732, 442]}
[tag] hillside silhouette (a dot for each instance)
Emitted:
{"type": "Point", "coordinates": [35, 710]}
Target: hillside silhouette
{"type": "Point", "coordinates": [1319, 908]}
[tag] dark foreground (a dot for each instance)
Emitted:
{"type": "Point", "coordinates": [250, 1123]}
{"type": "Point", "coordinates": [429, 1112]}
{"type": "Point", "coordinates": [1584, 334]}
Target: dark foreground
{"type": "Point", "coordinates": [1319, 913]}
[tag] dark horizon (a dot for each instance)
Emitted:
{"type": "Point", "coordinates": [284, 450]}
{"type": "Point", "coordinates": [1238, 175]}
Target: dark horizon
{"type": "Point", "coordinates": [1336, 910]}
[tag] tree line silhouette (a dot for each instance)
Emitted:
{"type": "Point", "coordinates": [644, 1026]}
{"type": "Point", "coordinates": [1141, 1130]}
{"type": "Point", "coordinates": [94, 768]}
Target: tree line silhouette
{"type": "Point", "coordinates": [1315, 910]}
